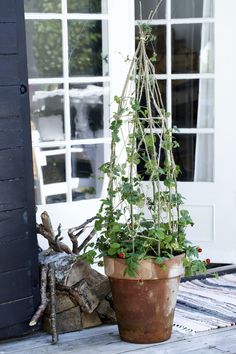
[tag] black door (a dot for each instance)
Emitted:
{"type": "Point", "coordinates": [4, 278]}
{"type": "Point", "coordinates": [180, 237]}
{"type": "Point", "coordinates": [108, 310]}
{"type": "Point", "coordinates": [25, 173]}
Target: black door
{"type": "Point", "coordinates": [19, 288]}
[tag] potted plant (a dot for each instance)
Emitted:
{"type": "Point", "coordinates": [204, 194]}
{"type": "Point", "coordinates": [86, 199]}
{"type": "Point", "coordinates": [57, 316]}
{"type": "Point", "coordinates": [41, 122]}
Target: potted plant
{"type": "Point", "coordinates": [142, 224]}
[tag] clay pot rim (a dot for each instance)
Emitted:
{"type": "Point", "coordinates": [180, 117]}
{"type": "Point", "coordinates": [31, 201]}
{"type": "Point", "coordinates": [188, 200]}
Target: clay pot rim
{"type": "Point", "coordinates": [149, 260]}
{"type": "Point", "coordinates": [148, 268]}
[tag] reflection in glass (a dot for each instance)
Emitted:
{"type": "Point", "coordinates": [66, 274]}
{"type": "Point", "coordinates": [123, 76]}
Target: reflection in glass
{"type": "Point", "coordinates": [49, 175]}
{"type": "Point", "coordinates": [184, 156]}
{"type": "Point", "coordinates": [54, 170]}
{"type": "Point", "coordinates": [88, 50]}
{"type": "Point", "coordinates": [192, 8]}
{"type": "Point", "coordinates": [148, 6]}
{"type": "Point", "coordinates": [85, 161]}
{"type": "Point", "coordinates": [44, 48]}
{"type": "Point", "coordinates": [192, 48]}
{"type": "Point", "coordinates": [195, 156]}
{"type": "Point", "coordinates": [47, 113]}
{"type": "Point", "coordinates": [88, 105]}
{"type": "Point", "coordinates": [87, 6]}
{"type": "Point", "coordinates": [42, 5]}
{"type": "Point", "coordinates": [193, 103]}
{"type": "Point", "coordinates": [157, 46]}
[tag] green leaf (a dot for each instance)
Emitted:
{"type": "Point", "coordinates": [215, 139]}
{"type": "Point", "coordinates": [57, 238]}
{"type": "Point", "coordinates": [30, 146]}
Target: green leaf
{"type": "Point", "coordinates": [98, 225]}
{"type": "Point", "coordinates": [169, 182]}
{"type": "Point", "coordinates": [115, 245]}
{"type": "Point", "coordinates": [112, 251]}
{"type": "Point", "coordinates": [150, 140]}
{"type": "Point", "coordinates": [117, 99]}
{"type": "Point", "coordinates": [89, 256]}
{"type": "Point", "coordinates": [160, 260]}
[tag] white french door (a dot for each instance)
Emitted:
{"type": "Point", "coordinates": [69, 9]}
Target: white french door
{"type": "Point", "coordinates": [210, 197]}
{"type": "Point", "coordinates": [196, 73]}
{"type": "Point", "coordinates": [71, 102]}
{"type": "Point", "coordinates": [76, 62]}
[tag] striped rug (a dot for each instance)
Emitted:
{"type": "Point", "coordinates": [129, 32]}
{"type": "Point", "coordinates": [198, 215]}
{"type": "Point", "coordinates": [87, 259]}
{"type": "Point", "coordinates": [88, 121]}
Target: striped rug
{"type": "Point", "coordinates": [206, 304]}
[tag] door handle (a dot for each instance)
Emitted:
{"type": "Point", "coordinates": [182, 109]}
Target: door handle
{"type": "Point", "coordinates": [23, 89]}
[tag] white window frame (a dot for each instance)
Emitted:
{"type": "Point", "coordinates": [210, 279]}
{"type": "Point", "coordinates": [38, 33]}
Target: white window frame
{"type": "Point", "coordinates": [169, 76]}
{"type": "Point", "coordinates": [66, 80]}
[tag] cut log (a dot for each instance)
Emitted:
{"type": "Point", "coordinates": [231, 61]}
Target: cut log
{"type": "Point", "coordinates": [105, 312]}
{"type": "Point", "coordinates": [85, 296]}
{"type": "Point", "coordinates": [82, 294]}
{"type": "Point", "coordinates": [69, 269]}
{"type": "Point", "coordinates": [90, 319]}
{"type": "Point", "coordinates": [63, 303]}
{"type": "Point", "coordinates": [67, 321]}
{"type": "Point", "coordinates": [102, 289]}
{"type": "Point", "coordinates": [94, 278]}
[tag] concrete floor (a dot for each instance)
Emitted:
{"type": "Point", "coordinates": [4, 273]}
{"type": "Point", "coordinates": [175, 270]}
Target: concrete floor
{"type": "Point", "coordinates": [105, 340]}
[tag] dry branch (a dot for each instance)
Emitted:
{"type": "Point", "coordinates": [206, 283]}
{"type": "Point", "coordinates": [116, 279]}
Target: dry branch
{"type": "Point", "coordinates": [75, 232]}
{"type": "Point", "coordinates": [86, 241]}
{"type": "Point", "coordinates": [46, 230]}
{"type": "Point", "coordinates": [44, 299]}
{"type": "Point", "coordinates": [52, 287]}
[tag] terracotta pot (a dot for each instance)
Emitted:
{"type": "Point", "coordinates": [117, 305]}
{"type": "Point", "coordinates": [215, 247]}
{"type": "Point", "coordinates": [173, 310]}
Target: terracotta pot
{"type": "Point", "coordinates": [145, 305]}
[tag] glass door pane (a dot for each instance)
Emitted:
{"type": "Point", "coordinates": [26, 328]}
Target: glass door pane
{"type": "Point", "coordinates": [85, 161]}
{"type": "Point", "coordinates": [47, 112]}
{"type": "Point", "coordinates": [195, 156]}
{"type": "Point", "coordinates": [88, 116]}
{"type": "Point", "coordinates": [157, 46]}
{"type": "Point", "coordinates": [147, 6]}
{"type": "Point", "coordinates": [192, 48]}
{"type": "Point", "coordinates": [88, 47]}
{"type": "Point", "coordinates": [44, 48]}
{"type": "Point", "coordinates": [87, 6]}
{"type": "Point", "coordinates": [191, 8]}
{"type": "Point", "coordinates": [193, 103]}
{"type": "Point", "coordinates": [42, 5]}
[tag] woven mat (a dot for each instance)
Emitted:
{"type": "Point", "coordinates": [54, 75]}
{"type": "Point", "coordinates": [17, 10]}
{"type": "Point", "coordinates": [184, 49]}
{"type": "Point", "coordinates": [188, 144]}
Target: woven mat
{"type": "Point", "coordinates": [206, 304]}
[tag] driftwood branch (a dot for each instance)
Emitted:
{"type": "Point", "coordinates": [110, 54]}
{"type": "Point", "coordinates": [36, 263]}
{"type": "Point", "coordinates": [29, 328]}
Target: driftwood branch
{"type": "Point", "coordinates": [86, 241]}
{"type": "Point", "coordinates": [44, 299]}
{"type": "Point", "coordinates": [54, 240]}
{"type": "Point", "coordinates": [75, 232]}
{"type": "Point", "coordinates": [58, 235]}
{"type": "Point", "coordinates": [46, 230]}
{"type": "Point", "coordinates": [52, 287]}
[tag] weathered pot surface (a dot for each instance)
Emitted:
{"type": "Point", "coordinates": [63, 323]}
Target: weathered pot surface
{"type": "Point", "coordinates": [148, 269]}
{"type": "Point", "coordinates": [145, 305]}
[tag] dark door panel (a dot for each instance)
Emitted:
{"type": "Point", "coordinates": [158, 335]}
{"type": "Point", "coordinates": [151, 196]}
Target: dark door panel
{"type": "Point", "coordinates": [12, 163]}
{"type": "Point", "coordinates": [8, 12]}
{"type": "Point", "coordinates": [14, 254]}
{"type": "Point", "coordinates": [9, 101]}
{"type": "Point", "coordinates": [19, 289]}
{"type": "Point", "coordinates": [8, 38]}
{"type": "Point", "coordinates": [13, 225]}
{"type": "Point", "coordinates": [16, 285]}
{"type": "Point", "coordinates": [8, 69]}
{"type": "Point", "coordinates": [13, 194]}
{"type": "Point", "coordinates": [15, 312]}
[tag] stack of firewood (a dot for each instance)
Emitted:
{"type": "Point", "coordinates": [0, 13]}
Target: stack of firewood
{"type": "Point", "coordinates": [76, 295]}
{"type": "Point", "coordinates": [82, 295]}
